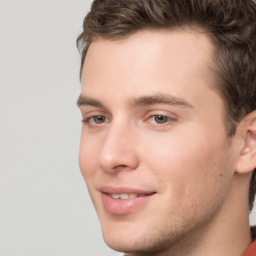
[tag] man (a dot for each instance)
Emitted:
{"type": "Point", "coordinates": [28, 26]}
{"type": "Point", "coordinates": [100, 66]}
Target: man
{"type": "Point", "coordinates": [168, 144]}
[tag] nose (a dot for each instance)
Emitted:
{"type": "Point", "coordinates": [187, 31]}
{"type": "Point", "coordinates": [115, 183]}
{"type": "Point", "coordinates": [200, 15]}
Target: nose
{"type": "Point", "coordinates": [118, 151]}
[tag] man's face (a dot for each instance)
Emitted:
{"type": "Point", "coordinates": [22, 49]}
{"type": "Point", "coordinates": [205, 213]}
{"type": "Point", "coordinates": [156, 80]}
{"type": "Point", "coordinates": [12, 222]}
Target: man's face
{"type": "Point", "coordinates": [154, 151]}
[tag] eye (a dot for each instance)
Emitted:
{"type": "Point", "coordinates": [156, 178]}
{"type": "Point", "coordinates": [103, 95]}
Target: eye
{"type": "Point", "coordinates": [160, 119]}
{"type": "Point", "coordinates": [96, 120]}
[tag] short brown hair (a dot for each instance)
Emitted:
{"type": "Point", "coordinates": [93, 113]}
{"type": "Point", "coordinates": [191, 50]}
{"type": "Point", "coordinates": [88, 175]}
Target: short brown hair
{"type": "Point", "coordinates": [231, 25]}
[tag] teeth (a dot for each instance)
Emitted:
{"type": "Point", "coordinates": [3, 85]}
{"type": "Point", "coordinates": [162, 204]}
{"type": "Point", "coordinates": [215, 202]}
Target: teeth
{"type": "Point", "coordinates": [115, 196]}
{"type": "Point", "coordinates": [124, 196]}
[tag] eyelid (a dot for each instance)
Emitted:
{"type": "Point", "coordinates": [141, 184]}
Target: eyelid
{"type": "Point", "coordinates": [90, 112]}
{"type": "Point", "coordinates": [159, 112]}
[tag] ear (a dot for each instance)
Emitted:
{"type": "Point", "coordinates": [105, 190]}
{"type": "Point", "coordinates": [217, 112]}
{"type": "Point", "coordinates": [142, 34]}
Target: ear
{"type": "Point", "coordinates": [247, 158]}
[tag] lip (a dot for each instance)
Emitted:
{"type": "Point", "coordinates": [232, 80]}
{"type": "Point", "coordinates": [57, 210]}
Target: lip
{"type": "Point", "coordinates": [127, 206]}
{"type": "Point", "coordinates": [124, 190]}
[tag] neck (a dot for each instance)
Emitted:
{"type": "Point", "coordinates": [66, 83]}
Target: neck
{"type": "Point", "coordinates": [226, 239]}
{"type": "Point", "coordinates": [225, 234]}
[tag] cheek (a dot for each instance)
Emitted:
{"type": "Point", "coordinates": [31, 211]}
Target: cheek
{"type": "Point", "coordinates": [87, 156]}
{"type": "Point", "coordinates": [192, 177]}
{"type": "Point", "coordinates": [87, 162]}
{"type": "Point", "coordinates": [185, 163]}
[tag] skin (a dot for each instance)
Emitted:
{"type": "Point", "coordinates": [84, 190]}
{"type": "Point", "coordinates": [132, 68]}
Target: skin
{"type": "Point", "coordinates": [188, 160]}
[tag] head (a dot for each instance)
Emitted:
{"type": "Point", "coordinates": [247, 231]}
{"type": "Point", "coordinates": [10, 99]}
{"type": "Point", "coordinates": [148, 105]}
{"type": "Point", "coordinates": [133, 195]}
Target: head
{"type": "Point", "coordinates": [213, 40]}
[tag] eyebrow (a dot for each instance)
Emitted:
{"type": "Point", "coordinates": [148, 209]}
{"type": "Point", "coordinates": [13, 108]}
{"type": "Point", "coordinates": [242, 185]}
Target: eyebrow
{"type": "Point", "coordinates": [159, 99]}
{"type": "Point", "coordinates": [140, 101]}
{"type": "Point", "coordinates": [84, 100]}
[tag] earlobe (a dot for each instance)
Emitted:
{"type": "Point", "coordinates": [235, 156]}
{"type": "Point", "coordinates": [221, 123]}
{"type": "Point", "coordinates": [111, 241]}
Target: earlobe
{"type": "Point", "coordinates": [247, 158]}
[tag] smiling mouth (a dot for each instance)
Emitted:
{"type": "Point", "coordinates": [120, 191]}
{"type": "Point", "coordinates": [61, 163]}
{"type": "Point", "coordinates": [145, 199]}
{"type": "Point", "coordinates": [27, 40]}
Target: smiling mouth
{"type": "Point", "coordinates": [128, 196]}
{"type": "Point", "coordinates": [125, 202]}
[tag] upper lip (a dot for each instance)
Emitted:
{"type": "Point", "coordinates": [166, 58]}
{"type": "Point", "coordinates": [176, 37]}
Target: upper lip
{"type": "Point", "coordinates": [124, 190]}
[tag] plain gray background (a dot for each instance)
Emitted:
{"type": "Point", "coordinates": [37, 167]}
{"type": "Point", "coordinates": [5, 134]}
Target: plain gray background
{"type": "Point", "coordinates": [45, 208]}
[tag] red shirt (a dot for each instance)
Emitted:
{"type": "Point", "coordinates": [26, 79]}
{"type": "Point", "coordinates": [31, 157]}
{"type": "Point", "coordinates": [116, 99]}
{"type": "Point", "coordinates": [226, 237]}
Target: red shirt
{"type": "Point", "coordinates": [251, 250]}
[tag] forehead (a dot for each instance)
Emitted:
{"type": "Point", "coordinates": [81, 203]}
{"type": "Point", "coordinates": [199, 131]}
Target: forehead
{"type": "Point", "coordinates": [175, 59]}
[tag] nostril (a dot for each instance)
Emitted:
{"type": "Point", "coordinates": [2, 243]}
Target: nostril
{"type": "Point", "coordinates": [120, 167]}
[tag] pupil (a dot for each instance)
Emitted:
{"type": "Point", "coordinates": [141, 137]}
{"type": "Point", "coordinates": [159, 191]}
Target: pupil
{"type": "Point", "coordinates": [161, 119]}
{"type": "Point", "coordinates": [99, 119]}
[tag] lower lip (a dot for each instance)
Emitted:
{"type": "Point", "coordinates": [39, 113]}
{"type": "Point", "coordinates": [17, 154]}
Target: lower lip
{"type": "Point", "coordinates": [124, 206]}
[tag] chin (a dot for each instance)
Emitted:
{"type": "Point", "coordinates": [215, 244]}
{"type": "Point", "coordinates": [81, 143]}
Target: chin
{"type": "Point", "coordinates": [123, 236]}
{"type": "Point", "coordinates": [126, 236]}
{"type": "Point", "coordinates": [125, 245]}
{"type": "Point", "coordinates": [119, 245]}
{"type": "Point", "coordinates": [144, 245]}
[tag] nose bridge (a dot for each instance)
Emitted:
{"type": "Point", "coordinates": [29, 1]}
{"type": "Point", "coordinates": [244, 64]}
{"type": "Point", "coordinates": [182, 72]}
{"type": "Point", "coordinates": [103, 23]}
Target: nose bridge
{"type": "Point", "coordinates": [118, 149]}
